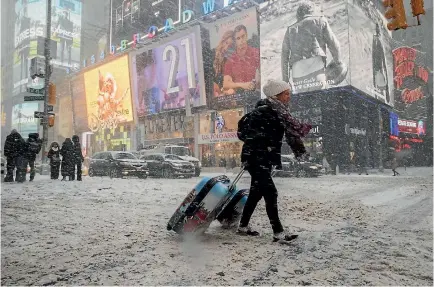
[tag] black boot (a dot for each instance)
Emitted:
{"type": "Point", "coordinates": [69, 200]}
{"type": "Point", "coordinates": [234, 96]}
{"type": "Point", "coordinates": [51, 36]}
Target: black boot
{"type": "Point", "coordinates": [64, 178]}
{"type": "Point", "coordinates": [282, 236]}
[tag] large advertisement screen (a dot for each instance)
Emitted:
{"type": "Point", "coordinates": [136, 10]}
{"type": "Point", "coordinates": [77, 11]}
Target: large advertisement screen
{"type": "Point", "coordinates": [66, 31]}
{"type": "Point", "coordinates": [235, 60]}
{"type": "Point", "coordinates": [370, 50]}
{"type": "Point", "coordinates": [166, 75]}
{"type": "Point", "coordinates": [30, 23]}
{"type": "Point", "coordinates": [130, 17]}
{"type": "Point", "coordinates": [23, 119]}
{"type": "Point", "coordinates": [108, 95]}
{"type": "Point", "coordinates": [305, 43]}
{"type": "Point", "coordinates": [411, 82]}
{"type": "Point", "coordinates": [79, 104]}
{"type": "Point", "coordinates": [30, 19]}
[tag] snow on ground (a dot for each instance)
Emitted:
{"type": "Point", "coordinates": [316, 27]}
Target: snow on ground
{"type": "Point", "coordinates": [354, 230]}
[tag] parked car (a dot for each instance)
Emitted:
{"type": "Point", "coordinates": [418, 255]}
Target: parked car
{"type": "Point", "coordinates": [182, 151]}
{"type": "Point", "coordinates": [293, 167]}
{"type": "Point", "coordinates": [168, 165]}
{"type": "Point", "coordinates": [117, 164]}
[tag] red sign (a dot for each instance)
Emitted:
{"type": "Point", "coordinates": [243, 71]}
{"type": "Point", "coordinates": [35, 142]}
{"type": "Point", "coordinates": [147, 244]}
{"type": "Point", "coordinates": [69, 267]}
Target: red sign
{"type": "Point", "coordinates": [405, 65]}
{"type": "Point", "coordinates": [411, 127]}
{"type": "Point", "coordinates": [410, 96]}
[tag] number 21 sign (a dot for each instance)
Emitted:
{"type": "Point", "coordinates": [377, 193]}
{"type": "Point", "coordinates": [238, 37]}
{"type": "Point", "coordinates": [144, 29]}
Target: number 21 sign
{"type": "Point", "coordinates": [169, 73]}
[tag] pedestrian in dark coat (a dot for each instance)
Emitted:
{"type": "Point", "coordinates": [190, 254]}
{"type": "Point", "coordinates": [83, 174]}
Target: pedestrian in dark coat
{"type": "Point", "coordinates": [14, 151]}
{"type": "Point", "coordinates": [34, 145]}
{"type": "Point", "coordinates": [68, 159]}
{"type": "Point", "coordinates": [395, 166]}
{"type": "Point", "coordinates": [54, 156]}
{"type": "Point", "coordinates": [78, 156]}
{"type": "Point", "coordinates": [267, 125]}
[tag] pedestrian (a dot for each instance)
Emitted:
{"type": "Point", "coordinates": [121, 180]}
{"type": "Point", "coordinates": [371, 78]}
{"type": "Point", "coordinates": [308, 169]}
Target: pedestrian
{"type": "Point", "coordinates": [54, 156]}
{"type": "Point", "coordinates": [262, 131]}
{"type": "Point", "coordinates": [34, 145]}
{"type": "Point", "coordinates": [14, 151]}
{"type": "Point", "coordinates": [394, 166]}
{"type": "Point", "coordinates": [362, 161]}
{"type": "Point", "coordinates": [78, 156]}
{"type": "Point", "coordinates": [67, 165]}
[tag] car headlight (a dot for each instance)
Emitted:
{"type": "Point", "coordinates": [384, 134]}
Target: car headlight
{"type": "Point", "coordinates": [124, 163]}
{"type": "Point", "coordinates": [313, 167]}
{"type": "Point", "coordinates": [176, 163]}
{"type": "Point", "coordinates": [199, 164]}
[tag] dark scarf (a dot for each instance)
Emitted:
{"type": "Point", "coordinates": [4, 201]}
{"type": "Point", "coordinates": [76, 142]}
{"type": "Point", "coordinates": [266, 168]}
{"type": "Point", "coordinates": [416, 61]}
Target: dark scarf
{"type": "Point", "coordinates": [292, 125]}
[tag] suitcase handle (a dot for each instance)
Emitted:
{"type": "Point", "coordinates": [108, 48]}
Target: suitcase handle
{"type": "Point", "coordinates": [236, 179]}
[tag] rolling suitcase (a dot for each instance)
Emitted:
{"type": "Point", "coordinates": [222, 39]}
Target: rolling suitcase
{"type": "Point", "coordinates": [203, 204]}
{"type": "Point", "coordinates": [232, 209]}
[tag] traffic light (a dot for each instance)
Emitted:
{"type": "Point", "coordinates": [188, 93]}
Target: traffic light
{"type": "Point", "coordinates": [51, 94]}
{"type": "Point", "coordinates": [417, 7]}
{"type": "Point", "coordinates": [396, 12]}
{"type": "Point", "coordinates": [51, 120]}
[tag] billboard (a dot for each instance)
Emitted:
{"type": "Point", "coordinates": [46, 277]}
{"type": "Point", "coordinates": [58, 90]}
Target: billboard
{"type": "Point", "coordinates": [234, 61]}
{"type": "Point", "coordinates": [23, 119]}
{"type": "Point", "coordinates": [221, 127]}
{"type": "Point", "coordinates": [130, 17]}
{"type": "Point", "coordinates": [411, 82]}
{"type": "Point", "coordinates": [412, 127]}
{"type": "Point", "coordinates": [66, 31]}
{"type": "Point", "coordinates": [30, 18]}
{"type": "Point", "coordinates": [108, 95]}
{"type": "Point", "coordinates": [371, 50]}
{"type": "Point", "coordinates": [165, 75]}
{"type": "Point", "coordinates": [305, 43]}
{"type": "Point", "coordinates": [30, 23]}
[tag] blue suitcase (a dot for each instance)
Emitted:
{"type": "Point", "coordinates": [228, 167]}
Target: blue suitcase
{"type": "Point", "coordinates": [203, 204]}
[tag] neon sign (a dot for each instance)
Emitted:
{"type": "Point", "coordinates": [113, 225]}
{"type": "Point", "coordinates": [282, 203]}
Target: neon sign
{"type": "Point", "coordinates": [405, 65]}
{"type": "Point", "coordinates": [208, 6]}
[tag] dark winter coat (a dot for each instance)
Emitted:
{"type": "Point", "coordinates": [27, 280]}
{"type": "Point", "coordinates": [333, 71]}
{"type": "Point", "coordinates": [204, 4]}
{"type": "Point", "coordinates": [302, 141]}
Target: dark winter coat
{"type": "Point", "coordinates": [264, 137]}
{"type": "Point", "coordinates": [54, 156]}
{"type": "Point", "coordinates": [68, 158]}
{"type": "Point", "coordinates": [15, 146]}
{"type": "Point", "coordinates": [34, 145]}
{"type": "Point", "coordinates": [78, 155]}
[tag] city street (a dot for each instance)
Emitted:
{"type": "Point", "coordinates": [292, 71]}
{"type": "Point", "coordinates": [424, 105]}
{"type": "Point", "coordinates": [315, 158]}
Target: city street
{"type": "Point", "coordinates": [354, 230]}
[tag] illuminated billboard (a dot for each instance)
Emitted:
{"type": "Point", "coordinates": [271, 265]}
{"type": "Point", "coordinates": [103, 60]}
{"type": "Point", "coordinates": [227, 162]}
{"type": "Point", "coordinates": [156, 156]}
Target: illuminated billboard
{"type": "Point", "coordinates": [23, 119]}
{"type": "Point", "coordinates": [166, 75]}
{"type": "Point", "coordinates": [234, 61]}
{"type": "Point", "coordinates": [305, 43]}
{"type": "Point", "coordinates": [130, 17]}
{"type": "Point", "coordinates": [108, 95]}
{"type": "Point", "coordinates": [30, 24]}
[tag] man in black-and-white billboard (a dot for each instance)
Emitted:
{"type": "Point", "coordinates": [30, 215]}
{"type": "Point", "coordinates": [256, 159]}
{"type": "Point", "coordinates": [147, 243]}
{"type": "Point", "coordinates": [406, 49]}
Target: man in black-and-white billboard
{"type": "Point", "coordinates": [304, 52]}
{"type": "Point", "coordinates": [379, 67]}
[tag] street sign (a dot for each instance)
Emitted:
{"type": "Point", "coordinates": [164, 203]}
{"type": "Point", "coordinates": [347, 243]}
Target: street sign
{"type": "Point", "coordinates": [33, 98]}
{"type": "Point", "coordinates": [50, 108]}
{"type": "Point", "coordinates": [39, 115]}
{"type": "Point", "coordinates": [36, 91]}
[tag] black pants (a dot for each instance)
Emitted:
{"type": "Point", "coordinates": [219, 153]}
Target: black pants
{"type": "Point", "coordinates": [10, 167]}
{"type": "Point", "coordinates": [55, 168]}
{"type": "Point", "coordinates": [78, 166]}
{"type": "Point", "coordinates": [32, 169]}
{"type": "Point", "coordinates": [262, 185]}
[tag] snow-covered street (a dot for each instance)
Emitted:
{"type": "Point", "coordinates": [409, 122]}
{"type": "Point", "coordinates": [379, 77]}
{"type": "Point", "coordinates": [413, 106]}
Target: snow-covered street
{"type": "Point", "coordinates": [354, 230]}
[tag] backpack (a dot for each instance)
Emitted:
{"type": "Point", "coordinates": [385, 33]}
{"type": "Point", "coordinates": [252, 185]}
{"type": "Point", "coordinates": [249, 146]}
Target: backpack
{"type": "Point", "coordinates": [243, 127]}
{"type": "Point", "coordinates": [34, 147]}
